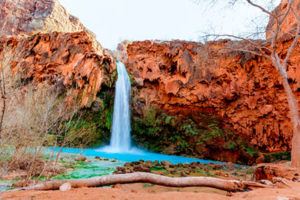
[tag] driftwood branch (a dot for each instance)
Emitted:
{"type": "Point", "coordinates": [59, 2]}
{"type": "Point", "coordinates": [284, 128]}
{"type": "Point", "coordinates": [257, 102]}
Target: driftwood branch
{"type": "Point", "coordinates": [260, 7]}
{"type": "Point", "coordinates": [228, 185]}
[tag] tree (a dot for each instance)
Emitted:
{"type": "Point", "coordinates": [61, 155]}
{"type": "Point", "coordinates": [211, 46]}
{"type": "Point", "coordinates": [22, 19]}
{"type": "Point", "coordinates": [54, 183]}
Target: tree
{"type": "Point", "coordinates": [269, 50]}
{"type": "Point", "coordinates": [3, 97]}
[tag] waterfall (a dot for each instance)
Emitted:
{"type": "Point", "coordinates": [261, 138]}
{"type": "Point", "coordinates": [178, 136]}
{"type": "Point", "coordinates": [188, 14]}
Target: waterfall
{"type": "Point", "coordinates": [120, 136]}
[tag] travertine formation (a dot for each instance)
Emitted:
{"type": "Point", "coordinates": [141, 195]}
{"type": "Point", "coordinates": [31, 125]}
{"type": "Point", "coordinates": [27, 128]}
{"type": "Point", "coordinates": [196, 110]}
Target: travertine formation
{"type": "Point", "coordinates": [289, 24]}
{"type": "Point", "coordinates": [186, 78]}
{"type": "Point", "coordinates": [40, 43]}
{"type": "Point", "coordinates": [63, 59]}
{"type": "Point", "coordinates": [28, 17]}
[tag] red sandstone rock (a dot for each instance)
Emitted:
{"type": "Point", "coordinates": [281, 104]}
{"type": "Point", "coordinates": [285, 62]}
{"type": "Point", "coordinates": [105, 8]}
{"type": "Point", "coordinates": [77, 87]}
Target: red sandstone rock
{"type": "Point", "coordinates": [186, 78]}
{"type": "Point", "coordinates": [289, 24]}
{"type": "Point", "coordinates": [40, 41]}
{"type": "Point", "coordinates": [61, 59]}
{"type": "Point", "coordinates": [28, 17]}
{"type": "Point", "coordinates": [271, 171]}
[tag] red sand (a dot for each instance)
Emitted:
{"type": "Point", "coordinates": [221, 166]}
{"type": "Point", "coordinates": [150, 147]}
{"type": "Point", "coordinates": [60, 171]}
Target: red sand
{"type": "Point", "coordinates": [149, 192]}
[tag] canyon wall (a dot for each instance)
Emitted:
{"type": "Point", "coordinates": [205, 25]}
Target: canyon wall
{"type": "Point", "coordinates": [41, 42]}
{"type": "Point", "coordinates": [63, 60]}
{"type": "Point", "coordinates": [285, 14]}
{"type": "Point", "coordinates": [50, 62]}
{"type": "Point", "coordinates": [186, 79]}
{"type": "Point", "coordinates": [29, 17]}
{"type": "Point", "coordinates": [203, 92]}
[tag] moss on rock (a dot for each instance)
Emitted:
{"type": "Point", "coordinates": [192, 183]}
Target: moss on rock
{"type": "Point", "coordinates": [201, 137]}
{"type": "Point", "coordinates": [92, 126]}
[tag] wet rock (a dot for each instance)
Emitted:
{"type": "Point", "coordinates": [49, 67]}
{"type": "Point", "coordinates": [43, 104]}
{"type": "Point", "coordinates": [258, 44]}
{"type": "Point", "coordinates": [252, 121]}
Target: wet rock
{"type": "Point", "coordinates": [184, 174]}
{"type": "Point", "coordinates": [179, 165]}
{"type": "Point", "coordinates": [81, 158]}
{"type": "Point", "coordinates": [98, 158]}
{"type": "Point", "coordinates": [166, 163]}
{"type": "Point", "coordinates": [140, 168]}
{"type": "Point", "coordinates": [156, 163]}
{"type": "Point", "coordinates": [148, 164]}
{"type": "Point", "coordinates": [193, 165]}
{"type": "Point", "coordinates": [129, 171]}
{"type": "Point", "coordinates": [121, 169]}
{"type": "Point", "coordinates": [127, 164]}
{"type": "Point", "coordinates": [186, 165]}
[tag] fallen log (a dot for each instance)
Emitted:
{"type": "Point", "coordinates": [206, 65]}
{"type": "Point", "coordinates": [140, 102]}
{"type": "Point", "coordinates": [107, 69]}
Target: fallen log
{"type": "Point", "coordinates": [228, 185]}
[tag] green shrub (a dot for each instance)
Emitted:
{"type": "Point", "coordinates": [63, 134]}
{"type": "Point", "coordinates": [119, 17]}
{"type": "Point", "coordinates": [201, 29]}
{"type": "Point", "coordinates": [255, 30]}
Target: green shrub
{"type": "Point", "coordinates": [159, 132]}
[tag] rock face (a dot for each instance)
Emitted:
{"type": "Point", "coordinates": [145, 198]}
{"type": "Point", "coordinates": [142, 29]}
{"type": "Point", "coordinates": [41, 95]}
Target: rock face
{"type": "Point", "coordinates": [40, 41]}
{"type": "Point", "coordinates": [290, 22]}
{"type": "Point", "coordinates": [66, 60]}
{"type": "Point", "coordinates": [41, 44]}
{"type": "Point", "coordinates": [28, 17]}
{"type": "Point", "coordinates": [49, 62]}
{"type": "Point", "coordinates": [186, 78]}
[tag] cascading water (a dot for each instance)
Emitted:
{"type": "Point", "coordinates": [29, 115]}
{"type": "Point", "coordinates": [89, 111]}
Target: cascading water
{"type": "Point", "coordinates": [120, 137]}
{"type": "Point", "coordinates": [120, 144]}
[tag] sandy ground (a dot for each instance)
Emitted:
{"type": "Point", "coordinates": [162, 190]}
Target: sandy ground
{"type": "Point", "coordinates": [148, 192]}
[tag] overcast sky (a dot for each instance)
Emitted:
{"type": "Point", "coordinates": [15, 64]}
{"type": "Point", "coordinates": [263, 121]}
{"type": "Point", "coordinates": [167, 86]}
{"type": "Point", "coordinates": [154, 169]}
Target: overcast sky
{"type": "Point", "coordinates": [116, 20]}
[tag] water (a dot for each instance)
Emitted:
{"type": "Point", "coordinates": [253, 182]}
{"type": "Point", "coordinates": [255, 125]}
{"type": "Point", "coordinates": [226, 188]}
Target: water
{"type": "Point", "coordinates": [90, 169]}
{"type": "Point", "coordinates": [5, 185]}
{"type": "Point", "coordinates": [120, 144]}
{"type": "Point", "coordinates": [120, 137]}
{"type": "Point", "coordinates": [135, 156]}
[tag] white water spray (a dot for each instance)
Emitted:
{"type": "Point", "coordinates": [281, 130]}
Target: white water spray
{"type": "Point", "coordinates": [120, 137]}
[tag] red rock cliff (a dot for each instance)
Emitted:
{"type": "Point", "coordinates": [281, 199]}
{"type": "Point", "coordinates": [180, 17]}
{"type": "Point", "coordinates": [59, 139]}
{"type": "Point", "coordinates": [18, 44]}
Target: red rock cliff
{"type": "Point", "coordinates": [289, 24]}
{"type": "Point", "coordinates": [28, 17]}
{"type": "Point", "coordinates": [185, 78]}
{"type": "Point", "coordinates": [41, 43]}
{"type": "Point", "coordinates": [65, 59]}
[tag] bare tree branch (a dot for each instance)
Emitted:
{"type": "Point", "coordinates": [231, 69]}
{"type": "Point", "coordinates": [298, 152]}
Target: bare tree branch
{"type": "Point", "coordinates": [260, 7]}
{"type": "Point", "coordinates": [295, 41]}
{"type": "Point", "coordinates": [261, 48]}
{"type": "Point", "coordinates": [290, 3]}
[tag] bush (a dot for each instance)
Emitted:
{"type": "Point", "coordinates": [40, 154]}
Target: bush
{"type": "Point", "coordinates": [203, 137]}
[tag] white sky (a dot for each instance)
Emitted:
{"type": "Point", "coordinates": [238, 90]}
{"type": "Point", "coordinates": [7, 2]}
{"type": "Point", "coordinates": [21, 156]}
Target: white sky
{"type": "Point", "coordinates": [116, 20]}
